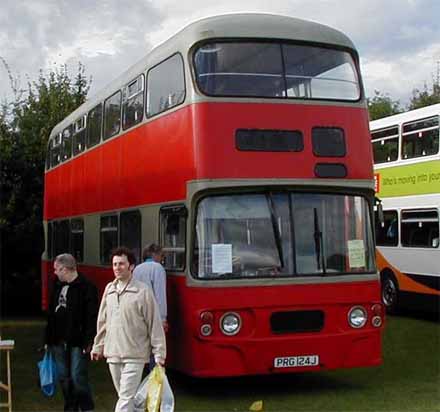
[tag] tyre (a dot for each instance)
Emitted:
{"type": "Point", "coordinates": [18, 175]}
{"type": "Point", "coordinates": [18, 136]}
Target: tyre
{"type": "Point", "coordinates": [390, 292]}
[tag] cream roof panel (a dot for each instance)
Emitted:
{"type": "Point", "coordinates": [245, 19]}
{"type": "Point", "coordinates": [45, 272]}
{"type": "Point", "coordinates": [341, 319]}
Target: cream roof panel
{"type": "Point", "coordinates": [240, 25]}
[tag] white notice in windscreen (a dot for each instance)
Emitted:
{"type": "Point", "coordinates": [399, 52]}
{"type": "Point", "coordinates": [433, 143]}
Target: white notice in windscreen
{"type": "Point", "coordinates": [221, 258]}
{"type": "Point", "coordinates": [356, 253]}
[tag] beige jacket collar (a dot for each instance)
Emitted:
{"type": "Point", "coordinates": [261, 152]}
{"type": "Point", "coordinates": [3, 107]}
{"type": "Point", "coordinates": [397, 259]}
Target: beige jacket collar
{"type": "Point", "coordinates": [131, 287]}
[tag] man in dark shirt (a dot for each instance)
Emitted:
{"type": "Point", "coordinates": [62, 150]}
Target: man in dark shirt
{"type": "Point", "coordinates": [70, 330]}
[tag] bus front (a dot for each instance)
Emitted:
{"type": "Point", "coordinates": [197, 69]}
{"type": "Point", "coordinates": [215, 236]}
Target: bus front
{"type": "Point", "coordinates": [281, 273]}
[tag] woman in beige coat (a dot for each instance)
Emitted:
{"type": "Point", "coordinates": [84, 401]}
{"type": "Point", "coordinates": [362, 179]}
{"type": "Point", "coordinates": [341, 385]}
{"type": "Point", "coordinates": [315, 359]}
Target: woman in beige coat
{"type": "Point", "coordinates": [129, 327]}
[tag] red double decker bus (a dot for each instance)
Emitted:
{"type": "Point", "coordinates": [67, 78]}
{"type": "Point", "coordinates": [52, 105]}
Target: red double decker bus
{"type": "Point", "coordinates": [241, 145]}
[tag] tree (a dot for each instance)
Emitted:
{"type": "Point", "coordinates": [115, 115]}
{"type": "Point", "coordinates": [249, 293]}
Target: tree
{"type": "Point", "coordinates": [381, 105]}
{"type": "Point", "coordinates": [428, 96]}
{"type": "Point", "coordinates": [25, 125]}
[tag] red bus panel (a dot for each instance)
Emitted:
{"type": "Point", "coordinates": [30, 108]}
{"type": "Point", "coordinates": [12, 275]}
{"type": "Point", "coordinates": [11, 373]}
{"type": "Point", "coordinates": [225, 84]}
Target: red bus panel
{"type": "Point", "coordinates": [153, 162]}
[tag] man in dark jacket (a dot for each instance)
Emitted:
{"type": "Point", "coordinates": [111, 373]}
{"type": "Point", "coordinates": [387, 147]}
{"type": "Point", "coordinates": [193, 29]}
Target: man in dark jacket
{"type": "Point", "coordinates": [70, 330]}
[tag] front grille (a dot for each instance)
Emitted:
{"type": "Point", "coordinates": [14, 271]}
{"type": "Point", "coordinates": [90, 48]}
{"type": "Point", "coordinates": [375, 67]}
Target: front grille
{"type": "Point", "coordinates": [297, 321]}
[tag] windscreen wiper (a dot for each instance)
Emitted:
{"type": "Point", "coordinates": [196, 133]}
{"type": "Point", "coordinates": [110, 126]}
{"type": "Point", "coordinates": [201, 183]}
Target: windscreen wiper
{"type": "Point", "coordinates": [317, 235]}
{"type": "Point", "coordinates": [276, 230]}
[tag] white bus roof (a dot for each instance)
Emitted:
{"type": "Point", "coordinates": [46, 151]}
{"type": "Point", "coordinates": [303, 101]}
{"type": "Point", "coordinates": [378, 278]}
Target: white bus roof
{"type": "Point", "coordinates": [400, 118]}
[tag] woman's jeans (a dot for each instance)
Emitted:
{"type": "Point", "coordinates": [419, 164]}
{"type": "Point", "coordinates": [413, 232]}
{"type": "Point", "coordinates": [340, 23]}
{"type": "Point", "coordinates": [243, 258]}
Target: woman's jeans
{"type": "Point", "coordinates": [72, 367]}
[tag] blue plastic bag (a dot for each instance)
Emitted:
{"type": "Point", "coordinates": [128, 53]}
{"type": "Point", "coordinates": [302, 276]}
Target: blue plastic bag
{"type": "Point", "coordinates": [48, 374]}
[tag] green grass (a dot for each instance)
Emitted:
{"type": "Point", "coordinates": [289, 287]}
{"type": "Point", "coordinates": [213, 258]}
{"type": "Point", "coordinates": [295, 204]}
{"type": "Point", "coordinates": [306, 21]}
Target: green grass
{"type": "Point", "coordinates": [409, 379]}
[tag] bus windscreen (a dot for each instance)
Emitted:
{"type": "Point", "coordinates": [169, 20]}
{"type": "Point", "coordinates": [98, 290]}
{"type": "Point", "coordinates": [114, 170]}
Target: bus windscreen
{"type": "Point", "coordinates": [282, 234]}
{"type": "Point", "coordinates": [276, 70]}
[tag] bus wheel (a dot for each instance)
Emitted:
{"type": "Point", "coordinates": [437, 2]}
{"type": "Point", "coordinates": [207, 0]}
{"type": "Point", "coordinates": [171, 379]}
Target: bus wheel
{"type": "Point", "coordinates": [390, 293]}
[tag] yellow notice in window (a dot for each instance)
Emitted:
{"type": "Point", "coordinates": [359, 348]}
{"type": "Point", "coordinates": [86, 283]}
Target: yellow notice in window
{"type": "Point", "coordinates": [356, 253]}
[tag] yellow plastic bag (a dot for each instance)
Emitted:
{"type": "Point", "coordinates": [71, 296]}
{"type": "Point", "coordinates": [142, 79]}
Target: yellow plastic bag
{"type": "Point", "coordinates": [257, 406]}
{"type": "Point", "coordinates": [154, 394]}
{"type": "Point", "coordinates": [166, 402]}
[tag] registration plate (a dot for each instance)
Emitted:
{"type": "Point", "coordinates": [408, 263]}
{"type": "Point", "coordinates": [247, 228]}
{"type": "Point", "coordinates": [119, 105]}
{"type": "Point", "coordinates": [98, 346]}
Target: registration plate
{"type": "Point", "coordinates": [296, 361]}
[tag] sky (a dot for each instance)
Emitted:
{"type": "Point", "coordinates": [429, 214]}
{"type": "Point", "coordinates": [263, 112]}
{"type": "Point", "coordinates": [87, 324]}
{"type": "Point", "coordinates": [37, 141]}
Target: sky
{"type": "Point", "coordinates": [398, 40]}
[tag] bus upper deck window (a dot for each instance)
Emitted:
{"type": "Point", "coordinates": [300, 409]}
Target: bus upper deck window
{"type": "Point", "coordinates": [112, 115]}
{"type": "Point", "coordinates": [48, 154]}
{"type": "Point", "coordinates": [55, 153]}
{"type": "Point", "coordinates": [420, 138]}
{"type": "Point", "coordinates": [133, 103]}
{"type": "Point", "coordinates": [277, 70]}
{"type": "Point", "coordinates": [320, 73]}
{"type": "Point", "coordinates": [165, 85]}
{"type": "Point", "coordinates": [240, 69]}
{"type": "Point", "coordinates": [385, 144]}
{"type": "Point", "coordinates": [79, 135]}
{"type": "Point", "coordinates": [94, 126]}
{"type": "Point", "coordinates": [67, 143]}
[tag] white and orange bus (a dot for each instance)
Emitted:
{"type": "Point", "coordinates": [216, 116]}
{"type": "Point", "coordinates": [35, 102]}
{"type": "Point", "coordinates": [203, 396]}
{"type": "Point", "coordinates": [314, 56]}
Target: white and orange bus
{"type": "Point", "coordinates": [407, 172]}
{"type": "Point", "coordinates": [241, 145]}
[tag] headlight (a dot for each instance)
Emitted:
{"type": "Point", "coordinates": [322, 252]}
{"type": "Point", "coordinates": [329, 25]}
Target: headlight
{"type": "Point", "coordinates": [357, 317]}
{"type": "Point", "coordinates": [230, 323]}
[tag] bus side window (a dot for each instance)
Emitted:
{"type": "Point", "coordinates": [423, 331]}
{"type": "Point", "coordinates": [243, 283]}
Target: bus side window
{"type": "Point", "coordinates": [112, 115]}
{"type": "Point", "coordinates": [48, 154]}
{"type": "Point", "coordinates": [133, 103]}
{"type": "Point", "coordinates": [94, 125]}
{"type": "Point", "coordinates": [173, 236]}
{"type": "Point", "coordinates": [130, 231]}
{"type": "Point", "coordinates": [77, 239]}
{"type": "Point", "coordinates": [387, 232]}
{"type": "Point", "coordinates": [61, 237]}
{"type": "Point", "coordinates": [108, 237]}
{"type": "Point", "coordinates": [420, 228]}
{"type": "Point", "coordinates": [79, 135]}
{"type": "Point", "coordinates": [67, 143]}
{"type": "Point", "coordinates": [421, 137]}
{"type": "Point", "coordinates": [166, 85]}
{"type": "Point", "coordinates": [55, 153]}
{"type": "Point", "coordinates": [385, 144]}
